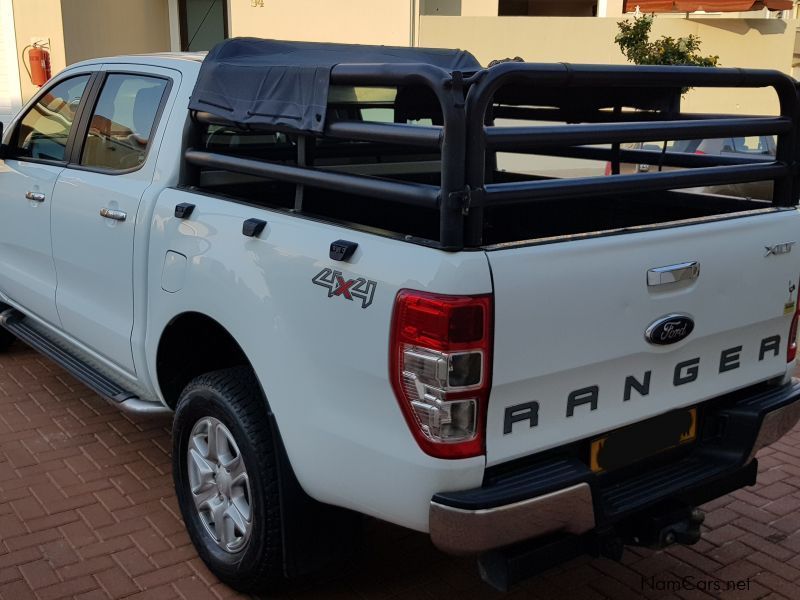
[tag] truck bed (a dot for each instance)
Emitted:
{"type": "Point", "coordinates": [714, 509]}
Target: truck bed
{"type": "Point", "coordinates": [529, 223]}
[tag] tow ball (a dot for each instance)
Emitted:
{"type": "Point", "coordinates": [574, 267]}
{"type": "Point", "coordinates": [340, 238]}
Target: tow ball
{"type": "Point", "coordinates": [662, 526]}
{"type": "Point", "coordinates": [662, 529]}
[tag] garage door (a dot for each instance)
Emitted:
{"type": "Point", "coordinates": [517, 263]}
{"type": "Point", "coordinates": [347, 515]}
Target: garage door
{"type": "Point", "coordinates": [9, 69]}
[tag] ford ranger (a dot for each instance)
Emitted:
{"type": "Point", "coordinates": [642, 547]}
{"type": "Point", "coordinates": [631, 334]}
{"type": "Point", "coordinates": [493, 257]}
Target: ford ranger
{"type": "Point", "coordinates": [312, 255]}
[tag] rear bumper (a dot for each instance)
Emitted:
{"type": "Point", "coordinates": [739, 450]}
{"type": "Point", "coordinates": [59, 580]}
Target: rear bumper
{"type": "Point", "coordinates": [561, 494]}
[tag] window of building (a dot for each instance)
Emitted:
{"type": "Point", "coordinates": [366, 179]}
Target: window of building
{"type": "Point", "coordinates": [442, 8]}
{"type": "Point", "coordinates": [547, 8]}
{"type": "Point", "coordinates": [203, 23]}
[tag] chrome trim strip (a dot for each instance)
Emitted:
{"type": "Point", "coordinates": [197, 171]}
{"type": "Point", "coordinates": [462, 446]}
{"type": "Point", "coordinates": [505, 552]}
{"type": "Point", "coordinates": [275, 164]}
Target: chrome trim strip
{"type": "Point", "coordinates": [459, 531]}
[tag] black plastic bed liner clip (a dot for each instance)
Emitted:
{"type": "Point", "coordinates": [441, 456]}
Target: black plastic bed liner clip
{"type": "Point", "coordinates": [184, 210]}
{"type": "Point", "coordinates": [253, 227]}
{"type": "Point", "coordinates": [342, 250]}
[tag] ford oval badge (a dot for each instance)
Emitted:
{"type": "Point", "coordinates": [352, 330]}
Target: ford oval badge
{"type": "Point", "coordinates": [669, 330]}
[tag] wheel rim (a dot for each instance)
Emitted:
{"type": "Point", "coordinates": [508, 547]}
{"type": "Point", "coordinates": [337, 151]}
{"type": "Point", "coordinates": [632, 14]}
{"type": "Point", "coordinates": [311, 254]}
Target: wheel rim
{"type": "Point", "coordinates": [219, 484]}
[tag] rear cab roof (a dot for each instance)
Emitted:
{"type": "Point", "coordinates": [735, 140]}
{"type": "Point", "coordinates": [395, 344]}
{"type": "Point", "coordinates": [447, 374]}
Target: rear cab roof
{"type": "Point", "coordinates": [185, 62]}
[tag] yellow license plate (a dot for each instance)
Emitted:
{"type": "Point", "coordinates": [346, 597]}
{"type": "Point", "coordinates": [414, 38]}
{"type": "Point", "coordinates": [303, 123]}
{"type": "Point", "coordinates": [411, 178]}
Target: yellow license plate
{"type": "Point", "coordinates": [630, 444]}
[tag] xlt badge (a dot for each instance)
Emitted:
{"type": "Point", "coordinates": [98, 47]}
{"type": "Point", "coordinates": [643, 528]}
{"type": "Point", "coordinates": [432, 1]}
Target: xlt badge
{"type": "Point", "coordinates": [782, 248]}
{"type": "Point", "coordinates": [669, 330]}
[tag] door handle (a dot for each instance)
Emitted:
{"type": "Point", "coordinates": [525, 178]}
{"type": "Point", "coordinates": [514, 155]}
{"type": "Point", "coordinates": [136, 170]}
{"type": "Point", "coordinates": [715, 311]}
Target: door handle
{"type": "Point", "coordinates": [116, 215]}
{"type": "Point", "coordinates": [35, 196]}
{"type": "Point", "coordinates": [687, 271]}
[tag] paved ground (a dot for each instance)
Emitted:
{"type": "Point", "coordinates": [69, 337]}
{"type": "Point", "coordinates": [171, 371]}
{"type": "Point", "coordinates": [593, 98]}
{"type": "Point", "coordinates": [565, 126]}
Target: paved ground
{"type": "Point", "coordinates": [87, 511]}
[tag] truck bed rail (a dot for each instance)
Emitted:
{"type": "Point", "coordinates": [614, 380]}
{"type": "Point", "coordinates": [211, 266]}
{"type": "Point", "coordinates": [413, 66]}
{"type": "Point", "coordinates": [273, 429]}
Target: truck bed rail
{"type": "Point", "coordinates": [600, 108]}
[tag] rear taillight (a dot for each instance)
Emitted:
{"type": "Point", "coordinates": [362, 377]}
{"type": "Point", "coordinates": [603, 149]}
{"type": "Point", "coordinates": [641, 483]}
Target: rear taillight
{"type": "Point", "coordinates": [791, 351]}
{"type": "Point", "coordinates": [440, 366]}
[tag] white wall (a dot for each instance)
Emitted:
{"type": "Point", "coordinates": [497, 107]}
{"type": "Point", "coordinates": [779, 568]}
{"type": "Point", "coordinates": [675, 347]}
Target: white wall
{"type": "Point", "coordinates": [95, 28]}
{"type": "Point", "coordinates": [174, 26]}
{"type": "Point", "coordinates": [10, 96]}
{"type": "Point", "coordinates": [387, 22]}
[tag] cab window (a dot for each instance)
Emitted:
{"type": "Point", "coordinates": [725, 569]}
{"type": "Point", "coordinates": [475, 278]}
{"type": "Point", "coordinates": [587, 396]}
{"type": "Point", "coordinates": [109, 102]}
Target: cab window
{"type": "Point", "coordinates": [44, 130]}
{"type": "Point", "coordinates": [123, 122]}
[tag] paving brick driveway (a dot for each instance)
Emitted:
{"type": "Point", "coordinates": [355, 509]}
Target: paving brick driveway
{"type": "Point", "coordinates": [87, 511]}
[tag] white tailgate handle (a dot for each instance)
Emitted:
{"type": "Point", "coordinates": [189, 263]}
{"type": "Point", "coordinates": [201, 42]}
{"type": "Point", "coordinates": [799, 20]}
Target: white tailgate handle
{"type": "Point", "coordinates": [686, 271]}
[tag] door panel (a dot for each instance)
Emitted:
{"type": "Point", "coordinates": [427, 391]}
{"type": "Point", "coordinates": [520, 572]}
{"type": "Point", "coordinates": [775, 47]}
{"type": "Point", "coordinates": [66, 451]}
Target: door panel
{"type": "Point", "coordinates": [95, 211]}
{"type": "Point", "coordinates": [39, 143]}
{"type": "Point", "coordinates": [27, 275]}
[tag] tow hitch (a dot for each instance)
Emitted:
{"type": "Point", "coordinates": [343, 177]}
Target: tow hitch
{"type": "Point", "coordinates": [659, 527]}
{"type": "Point", "coordinates": [662, 528]}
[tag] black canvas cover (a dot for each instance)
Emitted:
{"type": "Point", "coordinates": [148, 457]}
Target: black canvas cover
{"type": "Point", "coordinates": [272, 83]}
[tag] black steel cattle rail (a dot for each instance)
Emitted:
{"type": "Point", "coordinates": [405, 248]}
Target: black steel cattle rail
{"type": "Point", "coordinates": [468, 140]}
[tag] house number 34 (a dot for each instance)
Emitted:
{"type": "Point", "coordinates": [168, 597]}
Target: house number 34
{"type": "Point", "coordinates": [257, 3]}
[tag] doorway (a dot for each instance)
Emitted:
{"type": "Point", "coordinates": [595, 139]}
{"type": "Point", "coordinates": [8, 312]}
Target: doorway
{"type": "Point", "coordinates": [204, 23]}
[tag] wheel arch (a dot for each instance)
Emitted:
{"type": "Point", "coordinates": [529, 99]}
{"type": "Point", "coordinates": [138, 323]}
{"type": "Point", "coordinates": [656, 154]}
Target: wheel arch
{"type": "Point", "coordinates": [192, 344]}
{"type": "Point", "coordinates": [317, 534]}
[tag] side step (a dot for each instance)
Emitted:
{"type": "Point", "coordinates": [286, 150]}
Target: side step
{"type": "Point", "coordinates": [14, 321]}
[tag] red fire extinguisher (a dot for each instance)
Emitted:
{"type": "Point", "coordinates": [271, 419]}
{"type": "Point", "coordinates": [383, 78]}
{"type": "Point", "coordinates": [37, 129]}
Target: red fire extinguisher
{"type": "Point", "coordinates": [38, 64]}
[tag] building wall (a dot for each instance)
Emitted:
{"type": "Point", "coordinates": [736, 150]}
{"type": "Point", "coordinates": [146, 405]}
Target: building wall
{"type": "Point", "coordinates": [38, 20]}
{"type": "Point", "coordinates": [10, 97]}
{"type": "Point", "coordinates": [82, 29]}
{"type": "Point", "coordinates": [388, 22]}
{"type": "Point", "coordinates": [94, 28]}
{"type": "Point", "coordinates": [757, 43]}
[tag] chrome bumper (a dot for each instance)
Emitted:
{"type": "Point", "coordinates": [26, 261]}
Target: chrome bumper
{"type": "Point", "coordinates": [476, 521]}
{"type": "Point", "coordinates": [458, 531]}
{"type": "Point", "coordinates": [775, 425]}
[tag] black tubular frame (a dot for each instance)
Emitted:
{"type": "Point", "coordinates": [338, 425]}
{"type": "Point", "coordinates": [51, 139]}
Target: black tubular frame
{"type": "Point", "coordinates": [468, 141]}
{"type": "Point", "coordinates": [581, 79]}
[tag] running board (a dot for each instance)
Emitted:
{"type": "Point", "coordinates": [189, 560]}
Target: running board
{"type": "Point", "coordinates": [14, 321]}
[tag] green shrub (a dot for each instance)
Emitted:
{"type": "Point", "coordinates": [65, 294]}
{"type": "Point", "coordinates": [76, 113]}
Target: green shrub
{"type": "Point", "coordinates": [633, 40]}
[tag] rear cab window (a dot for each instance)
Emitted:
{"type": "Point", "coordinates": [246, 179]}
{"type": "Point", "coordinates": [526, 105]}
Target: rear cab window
{"type": "Point", "coordinates": [360, 104]}
{"type": "Point", "coordinates": [122, 122]}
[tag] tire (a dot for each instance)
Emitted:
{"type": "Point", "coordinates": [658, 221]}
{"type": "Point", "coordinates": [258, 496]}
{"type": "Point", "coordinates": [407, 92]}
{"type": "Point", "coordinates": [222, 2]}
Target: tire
{"type": "Point", "coordinates": [245, 554]}
{"type": "Point", "coordinates": [6, 339]}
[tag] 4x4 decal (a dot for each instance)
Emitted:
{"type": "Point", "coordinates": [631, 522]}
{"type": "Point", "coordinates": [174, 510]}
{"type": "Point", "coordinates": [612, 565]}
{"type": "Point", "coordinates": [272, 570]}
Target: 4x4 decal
{"type": "Point", "coordinates": [334, 281]}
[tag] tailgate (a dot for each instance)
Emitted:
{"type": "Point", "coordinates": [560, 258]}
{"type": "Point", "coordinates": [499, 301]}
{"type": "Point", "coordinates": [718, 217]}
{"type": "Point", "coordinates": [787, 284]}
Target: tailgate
{"type": "Point", "coordinates": [571, 359]}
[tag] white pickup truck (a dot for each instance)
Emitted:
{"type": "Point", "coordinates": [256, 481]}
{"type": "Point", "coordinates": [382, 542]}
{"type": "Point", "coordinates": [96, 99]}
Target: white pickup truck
{"type": "Point", "coordinates": [312, 254]}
